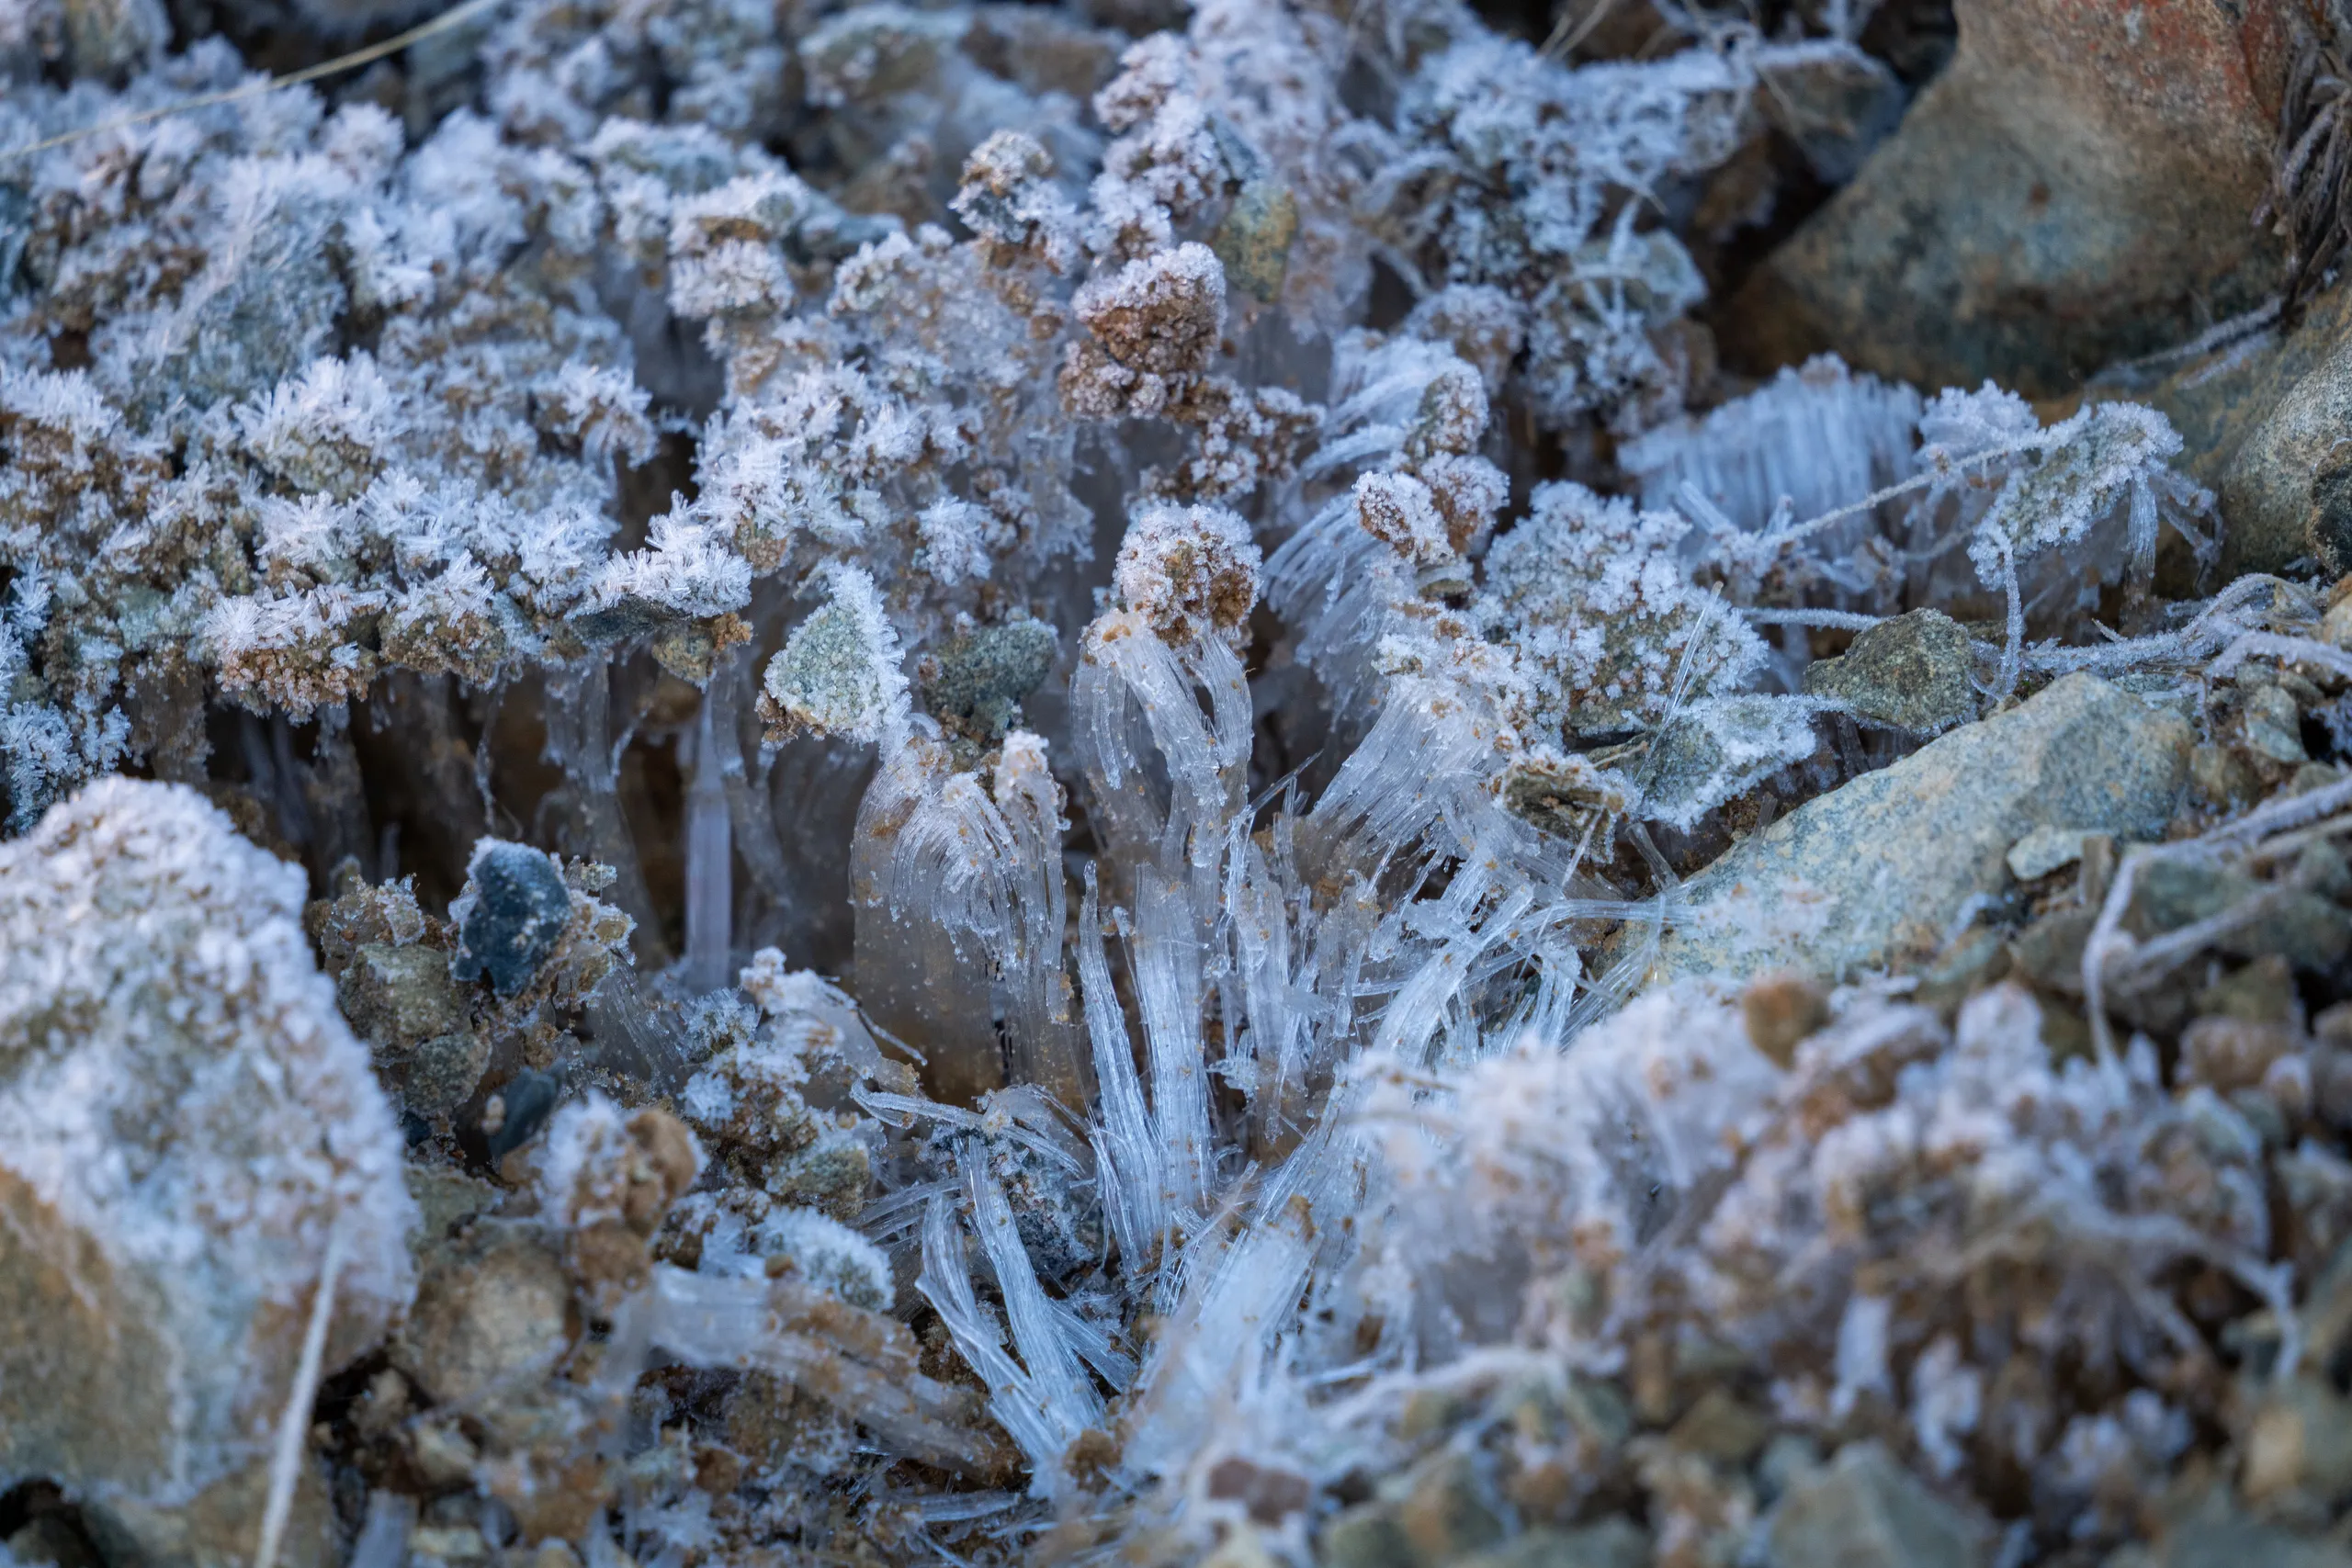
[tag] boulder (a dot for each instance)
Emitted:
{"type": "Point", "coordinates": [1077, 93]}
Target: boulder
{"type": "Point", "coordinates": [184, 1122]}
{"type": "Point", "coordinates": [2076, 188]}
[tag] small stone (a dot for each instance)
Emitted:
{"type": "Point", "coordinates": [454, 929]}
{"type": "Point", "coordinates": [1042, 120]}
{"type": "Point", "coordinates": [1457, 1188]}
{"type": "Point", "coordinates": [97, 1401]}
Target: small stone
{"type": "Point", "coordinates": [1911, 672]}
{"type": "Point", "coordinates": [2049, 951]}
{"type": "Point", "coordinates": [511, 916]}
{"type": "Point", "coordinates": [441, 1453]}
{"type": "Point", "coordinates": [1253, 241]}
{"type": "Point", "coordinates": [2222, 778]}
{"type": "Point", "coordinates": [2262, 992]}
{"type": "Point", "coordinates": [1866, 1511]}
{"type": "Point", "coordinates": [2335, 627]}
{"type": "Point", "coordinates": [2230, 1053]}
{"type": "Point", "coordinates": [1788, 1460]}
{"type": "Point", "coordinates": [448, 1544]}
{"type": "Point", "coordinates": [1446, 1512]}
{"type": "Point", "coordinates": [1242, 1547]}
{"type": "Point", "coordinates": [397, 996]}
{"type": "Point", "coordinates": [1565, 795]}
{"type": "Point", "coordinates": [2043, 850]}
{"type": "Point", "coordinates": [492, 1310]}
{"type": "Point", "coordinates": [1961, 971]}
{"type": "Point", "coordinates": [1882, 868]}
{"type": "Point", "coordinates": [516, 1113]}
{"type": "Point", "coordinates": [1781, 1011]}
{"type": "Point", "coordinates": [2274, 726]}
{"type": "Point", "coordinates": [1366, 1536]}
{"type": "Point", "coordinates": [2300, 1440]}
{"type": "Point", "coordinates": [2216, 1533]}
{"type": "Point", "coordinates": [975, 682]}
{"type": "Point", "coordinates": [1271, 1494]}
{"type": "Point", "coordinates": [2304, 928]}
{"type": "Point", "coordinates": [1720, 1428]}
{"type": "Point", "coordinates": [446, 1198]}
{"type": "Point", "coordinates": [52, 1541]}
{"type": "Point", "coordinates": [440, 1074]}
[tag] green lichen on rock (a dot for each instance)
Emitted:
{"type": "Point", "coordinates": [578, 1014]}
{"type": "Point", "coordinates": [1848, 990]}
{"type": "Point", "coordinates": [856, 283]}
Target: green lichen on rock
{"type": "Point", "coordinates": [974, 683]}
{"type": "Point", "coordinates": [1911, 672]}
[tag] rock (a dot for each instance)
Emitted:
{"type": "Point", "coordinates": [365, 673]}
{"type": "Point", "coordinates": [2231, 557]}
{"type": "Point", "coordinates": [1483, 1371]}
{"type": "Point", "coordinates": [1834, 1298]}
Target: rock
{"type": "Point", "coordinates": [1612, 1543]}
{"type": "Point", "coordinates": [2215, 1533]}
{"type": "Point", "coordinates": [2300, 1441]}
{"type": "Point", "coordinates": [2043, 850]}
{"type": "Point", "coordinates": [2298, 925]}
{"type": "Point", "coordinates": [1446, 1512]}
{"type": "Point", "coordinates": [1781, 1011]}
{"type": "Point", "coordinates": [2072, 190]}
{"type": "Point", "coordinates": [492, 1310]}
{"type": "Point", "coordinates": [406, 1002]}
{"type": "Point", "coordinates": [1866, 1511]}
{"type": "Point", "coordinates": [401, 995]}
{"type": "Point", "coordinates": [52, 1540]}
{"type": "Point", "coordinates": [1911, 672]}
{"type": "Point", "coordinates": [511, 916]}
{"type": "Point", "coordinates": [974, 681]}
{"type": "Point", "coordinates": [441, 1073]}
{"type": "Point", "coordinates": [516, 1113]}
{"type": "Point", "coordinates": [1438, 1512]}
{"type": "Point", "coordinates": [2258, 420]}
{"type": "Point", "coordinates": [1366, 1536]}
{"type": "Point", "coordinates": [184, 1120]}
{"type": "Point", "coordinates": [446, 1198]}
{"type": "Point", "coordinates": [1880, 870]}
{"type": "Point", "coordinates": [2274, 726]}
{"type": "Point", "coordinates": [1720, 1428]}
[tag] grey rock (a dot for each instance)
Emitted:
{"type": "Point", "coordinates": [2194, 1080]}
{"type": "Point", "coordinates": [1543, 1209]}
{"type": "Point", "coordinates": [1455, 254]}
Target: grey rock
{"type": "Point", "coordinates": [2295, 924]}
{"type": "Point", "coordinates": [2274, 724]}
{"type": "Point", "coordinates": [1911, 672]}
{"type": "Point", "coordinates": [1880, 870]}
{"type": "Point", "coordinates": [976, 681]}
{"type": "Point", "coordinates": [1866, 1511]}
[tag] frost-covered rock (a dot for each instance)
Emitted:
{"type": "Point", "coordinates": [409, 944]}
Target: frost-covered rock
{"type": "Point", "coordinates": [1885, 865]}
{"type": "Point", "coordinates": [187, 1130]}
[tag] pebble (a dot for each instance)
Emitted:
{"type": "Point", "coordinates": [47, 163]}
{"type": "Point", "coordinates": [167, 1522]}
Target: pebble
{"type": "Point", "coordinates": [1911, 672]}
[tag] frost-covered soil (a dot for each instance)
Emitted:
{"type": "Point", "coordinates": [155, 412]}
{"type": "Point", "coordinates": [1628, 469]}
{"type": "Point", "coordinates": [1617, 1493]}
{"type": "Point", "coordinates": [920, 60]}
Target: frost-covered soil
{"type": "Point", "coordinates": [1269, 783]}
